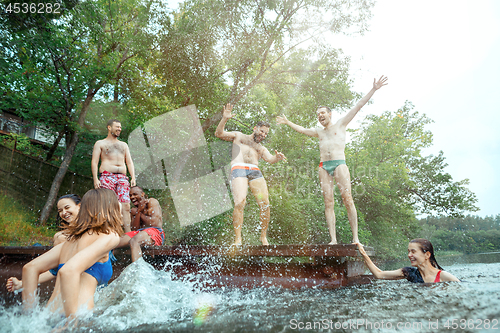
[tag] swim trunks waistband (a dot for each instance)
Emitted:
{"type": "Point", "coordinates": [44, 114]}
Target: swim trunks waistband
{"type": "Point", "coordinates": [249, 171]}
{"type": "Point", "coordinates": [244, 166]}
{"type": "Point", "coordinates": [107, 174]}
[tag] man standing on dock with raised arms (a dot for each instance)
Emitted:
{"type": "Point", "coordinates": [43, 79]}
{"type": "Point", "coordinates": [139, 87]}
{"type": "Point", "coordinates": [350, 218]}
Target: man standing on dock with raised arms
{"type": "Point", "coordinates": [332, 167]}
{"type": "Point", "coordinates": [245, 172]}
{"type": "Point", "coordinates": [115, 158]}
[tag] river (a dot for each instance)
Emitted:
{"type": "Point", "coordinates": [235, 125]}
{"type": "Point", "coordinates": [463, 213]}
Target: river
{"type": "Point", "coordinates": [143, 299]}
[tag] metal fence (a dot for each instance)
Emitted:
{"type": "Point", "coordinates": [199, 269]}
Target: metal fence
{"type": "Point", "coordinates": [28, 179]}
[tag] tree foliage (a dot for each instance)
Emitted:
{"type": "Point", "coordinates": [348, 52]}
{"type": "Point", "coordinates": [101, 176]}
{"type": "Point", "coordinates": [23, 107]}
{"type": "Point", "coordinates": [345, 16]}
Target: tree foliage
{"type": "Point", "coordinates": [468, 234]}
{"type": "Point", "coordinates": [55, 69]}
{"type": "Point", "coordinates": [393, 182]}
{"type": "Point", "coordinates": [137, 60]}
{"type": "Point", "coordinates": [219, 51]}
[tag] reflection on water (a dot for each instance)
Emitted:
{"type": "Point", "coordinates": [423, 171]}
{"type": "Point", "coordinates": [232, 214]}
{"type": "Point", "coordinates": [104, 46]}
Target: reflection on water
{"type": "Point", "coordinates": [143, 299]}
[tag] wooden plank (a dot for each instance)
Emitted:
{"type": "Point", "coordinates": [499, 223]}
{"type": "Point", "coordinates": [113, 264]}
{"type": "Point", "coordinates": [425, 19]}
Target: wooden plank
{"type": "Point", "coordinates": [245, 266]}
{"type": "Point", "coordinates": [293, 250]}
{"type": "Point", "coordinates": [347, 250]}
{"type": "Point", "coordinates": [24, 250]}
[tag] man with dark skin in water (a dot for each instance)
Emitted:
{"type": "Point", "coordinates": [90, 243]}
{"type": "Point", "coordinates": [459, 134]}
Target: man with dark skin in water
{"type": "Point", "coordinates": [146, 224]}
{"type": "Point", "coordinates": [115, 158]}
{"type": "Point", "coordinates": [245, 172]}
{"type": "Point", "coordinates": [332, 168]}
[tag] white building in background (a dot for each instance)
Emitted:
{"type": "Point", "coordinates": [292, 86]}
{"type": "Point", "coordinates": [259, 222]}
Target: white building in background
{"type": "Point", "coordinates": [10, 123]}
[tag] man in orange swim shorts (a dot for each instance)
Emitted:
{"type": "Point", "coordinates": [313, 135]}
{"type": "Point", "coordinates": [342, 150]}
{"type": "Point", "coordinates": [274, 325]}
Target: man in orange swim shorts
{"type": "Point", "coordinates": [146, 223]}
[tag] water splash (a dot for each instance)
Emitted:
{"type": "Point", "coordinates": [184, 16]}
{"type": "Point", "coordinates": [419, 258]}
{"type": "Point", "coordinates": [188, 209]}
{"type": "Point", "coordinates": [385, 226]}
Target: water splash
{"type": "Point", "coordinates": [142, 295]}
{"type": "Point", "coordinates": [143, 299]}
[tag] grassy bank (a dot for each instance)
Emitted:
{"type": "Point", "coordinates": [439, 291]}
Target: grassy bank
{"type": "Point", "coordinates": [18, 226]}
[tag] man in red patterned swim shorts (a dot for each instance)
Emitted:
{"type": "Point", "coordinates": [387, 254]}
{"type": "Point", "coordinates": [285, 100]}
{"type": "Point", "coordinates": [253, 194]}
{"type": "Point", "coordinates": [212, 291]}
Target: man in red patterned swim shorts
{"type": "Point", "coordinates": [115, 158]}
{"type": "Point", "coordinates": [146, 225]}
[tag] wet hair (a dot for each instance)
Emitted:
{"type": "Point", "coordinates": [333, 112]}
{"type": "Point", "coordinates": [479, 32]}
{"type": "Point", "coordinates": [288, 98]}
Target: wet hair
{"type": "Point", "coordinates": [426, 246]}
{"type": "Point", "coordinates": [99, 213]}
{"type": "Point", "coordinates": [263, 123]}
{"type": "Point", "coordinates": [326, 107]}
{"type": "Point", "coordinates": [76, 199]}
{"type": "Point", "coordinates": [111, 121]}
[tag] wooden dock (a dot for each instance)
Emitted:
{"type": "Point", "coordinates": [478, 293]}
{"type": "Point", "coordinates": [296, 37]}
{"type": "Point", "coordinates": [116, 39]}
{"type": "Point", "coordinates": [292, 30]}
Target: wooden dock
{"type": "Point", "coordinates": [286, 266]}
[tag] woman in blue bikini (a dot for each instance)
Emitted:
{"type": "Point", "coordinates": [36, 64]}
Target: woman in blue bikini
{"type": "Point", "coordinates": [95, 232]}
{"type": "Point", "coordinates": [424, 267]}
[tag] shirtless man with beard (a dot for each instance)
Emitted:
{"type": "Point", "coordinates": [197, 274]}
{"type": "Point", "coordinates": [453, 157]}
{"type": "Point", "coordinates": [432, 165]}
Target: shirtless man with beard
{"type": "Point", "coordinates": [332, 167]}
{"type": "Point", "coordinates": [245, 172]}
{"type": "Point", "coordinates": [115, 158]}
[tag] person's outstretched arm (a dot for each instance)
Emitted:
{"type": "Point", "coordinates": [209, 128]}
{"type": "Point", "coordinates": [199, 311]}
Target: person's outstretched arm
{"type": "Point", "coordinates": [14, 284]}
{"type": "Point", "coordinates": [32, 271]}
{"type": "Point", "coordinates": [266, 156]}
{"type": "Point", "coordinates": [220, 132]}
{"type": "Point", "coordinates": [307, 131]}
{"type": "Point", "coordinates": [377, 272]}
{"type": "Point", "coordinates": [376, 86]}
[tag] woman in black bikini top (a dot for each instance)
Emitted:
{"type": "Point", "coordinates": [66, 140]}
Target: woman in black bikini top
{"type": "Point", "coordinates": [424, 267]}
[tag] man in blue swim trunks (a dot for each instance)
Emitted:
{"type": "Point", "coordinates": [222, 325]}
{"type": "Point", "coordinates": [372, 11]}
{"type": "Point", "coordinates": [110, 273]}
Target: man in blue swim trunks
{"type": "Point", "coordinates": [332, 167]}
{"type": "Point", "coordinates": [146, 225]}
{"type": "Point", "coordinates": [245, 172]}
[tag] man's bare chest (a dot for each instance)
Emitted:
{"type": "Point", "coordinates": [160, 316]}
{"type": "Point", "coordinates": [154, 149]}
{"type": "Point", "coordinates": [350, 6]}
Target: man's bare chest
{"type": "Point", "coordinates": [332, 134]}
{"type": "Point", "coordinates": [113, 149]}
{"type": "Point", "coordinates": [248, 147]}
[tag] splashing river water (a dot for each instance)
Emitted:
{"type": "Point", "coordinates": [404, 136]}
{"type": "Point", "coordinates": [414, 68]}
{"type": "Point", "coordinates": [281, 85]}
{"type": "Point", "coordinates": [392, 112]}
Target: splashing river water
{"type": "Point", "coordinates": [143, 299]}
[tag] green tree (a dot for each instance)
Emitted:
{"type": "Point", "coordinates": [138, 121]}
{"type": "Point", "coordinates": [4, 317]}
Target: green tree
{"type": "Point", "coordinates": [219, 51]}
{"type": "Point", "coordinates": [68, 62]}
{"type": "Point", "coordinates": [469, 234]}
{"type": "Point", "coordinates": [392, 181]}
{"type": "Point", "coordinates": [254, 55]}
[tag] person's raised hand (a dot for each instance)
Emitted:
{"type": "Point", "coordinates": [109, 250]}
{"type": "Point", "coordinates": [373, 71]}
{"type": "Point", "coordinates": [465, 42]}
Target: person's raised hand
{"type": "Point", "coordinates": [380, 83]}
{"type": "Point", "coordinates": [280, 156]}
{"type": "Point", "coordinates": [361, 249]}
{"type": "Point", "coordinates": [281, 119]}
{"type": "Point", "coordinates": [226, 111]}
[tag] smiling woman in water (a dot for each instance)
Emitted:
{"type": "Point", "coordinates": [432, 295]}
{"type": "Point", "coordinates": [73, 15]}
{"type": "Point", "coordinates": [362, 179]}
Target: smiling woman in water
{"type": "Point", "coordinates": [68, 207]}
{"type": "Point", "coordinates": [424, 267]}
{"type": "Point", "coordinates": [82, 261]}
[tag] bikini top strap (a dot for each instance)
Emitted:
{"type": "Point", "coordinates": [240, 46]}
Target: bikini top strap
{"type": "Point", "coordinates": [438, 277]}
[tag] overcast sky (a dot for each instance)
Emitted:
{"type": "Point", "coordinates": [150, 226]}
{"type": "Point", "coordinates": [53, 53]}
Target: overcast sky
{"type": "Point", "coordinates": [443, 56]}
